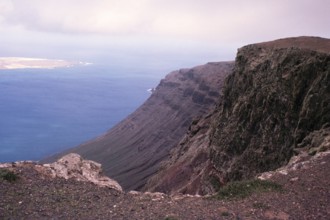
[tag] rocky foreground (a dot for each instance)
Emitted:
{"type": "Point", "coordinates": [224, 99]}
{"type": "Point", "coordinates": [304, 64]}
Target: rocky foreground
{"type": "Point", "coordinates": [40, 193]}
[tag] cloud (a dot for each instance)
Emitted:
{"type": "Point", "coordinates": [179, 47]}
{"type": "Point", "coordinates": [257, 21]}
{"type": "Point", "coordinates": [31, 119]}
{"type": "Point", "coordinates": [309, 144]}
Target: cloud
{"type": "Point", "coordinates": [197, 19]}
{"type": "Point", "coordinates": [151, 17]}
{"type": "Point", "coordinates": [74, 16]}
{"type": "Point", "coordinates": [155, 26]}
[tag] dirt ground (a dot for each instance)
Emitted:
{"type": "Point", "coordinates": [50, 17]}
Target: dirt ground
{"type": "Point", "coordinates": [305, 195]}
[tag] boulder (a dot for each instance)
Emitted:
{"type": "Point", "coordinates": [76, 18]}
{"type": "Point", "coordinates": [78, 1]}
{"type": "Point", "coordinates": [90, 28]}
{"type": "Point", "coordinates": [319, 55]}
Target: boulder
{"type": "Point", "coordinates": [73, 166]}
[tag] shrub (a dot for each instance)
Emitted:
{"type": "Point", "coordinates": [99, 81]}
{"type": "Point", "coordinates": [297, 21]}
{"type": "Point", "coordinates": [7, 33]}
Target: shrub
{"type": "Point", "coordinates": [225, 214]}
{"type": "Point", "coordinates": [215, 183]}
{"type": "Point", "coordinates": [243, 189]}
{"type": "Point", "coordinates": [8, 175]}
{"type": "Point", "coordinates": [170, 218]}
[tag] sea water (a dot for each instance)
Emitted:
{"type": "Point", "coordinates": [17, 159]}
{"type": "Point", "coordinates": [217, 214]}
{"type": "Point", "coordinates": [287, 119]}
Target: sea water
{"type": "Point", "coordinates": [45, 111]}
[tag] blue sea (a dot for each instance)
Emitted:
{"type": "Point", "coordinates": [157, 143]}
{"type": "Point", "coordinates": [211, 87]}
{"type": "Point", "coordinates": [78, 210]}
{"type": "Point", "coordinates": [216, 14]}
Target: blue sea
{"type": "Point", "coordinates": [44, 111]}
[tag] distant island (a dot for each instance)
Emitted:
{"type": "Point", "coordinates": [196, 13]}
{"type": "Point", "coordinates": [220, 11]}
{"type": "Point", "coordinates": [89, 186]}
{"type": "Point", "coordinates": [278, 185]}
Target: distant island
{"type": "Point", "coordinates": [36, 63]}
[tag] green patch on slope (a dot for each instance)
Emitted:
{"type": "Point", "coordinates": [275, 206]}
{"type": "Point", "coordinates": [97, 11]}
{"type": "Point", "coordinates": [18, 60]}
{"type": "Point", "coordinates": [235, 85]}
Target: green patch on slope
{"type": "Point", "coordinates": [7, 175]}
{"type": "Point", "coordinates": [245, 188]}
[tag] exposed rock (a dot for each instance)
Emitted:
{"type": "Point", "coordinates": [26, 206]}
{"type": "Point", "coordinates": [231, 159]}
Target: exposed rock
{"type": "Point", "coordinates": [302, 161]}
{"type": "Point", "coordinates": [276, 102]}
{"type": "Point", "coordinates": [316, 141]}
{"type": "Point", "coordinates": [71, 166]}
{"type": "Point", "coordinates": [184, 171]}
{"type": "Point", "coordinates": [272, 101]}
{"type": "Point", "coordinates": [132, 150]}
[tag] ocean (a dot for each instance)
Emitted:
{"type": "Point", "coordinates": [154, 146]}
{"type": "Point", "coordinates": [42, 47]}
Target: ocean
{"type": "Point", "coordinates": [45, 111]}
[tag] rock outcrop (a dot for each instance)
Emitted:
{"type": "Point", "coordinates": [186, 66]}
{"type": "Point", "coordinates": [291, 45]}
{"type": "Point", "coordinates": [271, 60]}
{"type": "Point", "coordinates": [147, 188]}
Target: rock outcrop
{"type": "Point", "coordinates": [302, 161]}
{"type": "Point", "coordinates": [71, 166]}
{"type": "Point", "coordinates": [132, 150]}
{"type": "Point", "coordinates": [274, 99]}
{"type": "Point", "coordinates": [275, 104]}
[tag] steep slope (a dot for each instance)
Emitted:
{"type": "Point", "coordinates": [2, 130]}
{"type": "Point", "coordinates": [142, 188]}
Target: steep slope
{"type": "Point", "coordinates": [276, 103]}
{"type": "Point", "coordinates": [132, 150]}
{"type": "Point", "coordinates": [275, 98]}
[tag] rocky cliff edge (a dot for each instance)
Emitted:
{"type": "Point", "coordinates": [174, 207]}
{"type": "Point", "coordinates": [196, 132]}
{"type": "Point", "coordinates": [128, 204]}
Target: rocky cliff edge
{"type": "Point", "coordinates": [275, 104]}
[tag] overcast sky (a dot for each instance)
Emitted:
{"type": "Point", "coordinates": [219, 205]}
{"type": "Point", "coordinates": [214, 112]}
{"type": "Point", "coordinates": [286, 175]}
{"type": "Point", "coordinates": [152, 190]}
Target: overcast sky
{"type": "Point", "coordinates": [187, 31]}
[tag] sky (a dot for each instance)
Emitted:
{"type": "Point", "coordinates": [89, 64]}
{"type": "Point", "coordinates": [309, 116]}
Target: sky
{"type": "Point", "coordinates": [167, 33]}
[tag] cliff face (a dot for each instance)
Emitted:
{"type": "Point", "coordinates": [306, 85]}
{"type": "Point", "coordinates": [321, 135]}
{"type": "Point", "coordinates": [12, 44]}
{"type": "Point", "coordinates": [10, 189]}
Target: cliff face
{"type": "Point", "coordinates": [132, 150]}
{"type": "Point", "coordinates": [276, 102]}
{"type": "Point", "coordinates": [275, 98]}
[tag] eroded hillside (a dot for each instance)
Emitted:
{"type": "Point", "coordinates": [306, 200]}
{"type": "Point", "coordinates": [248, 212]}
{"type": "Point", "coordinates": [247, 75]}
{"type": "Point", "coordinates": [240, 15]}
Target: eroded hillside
{"type": "Point", "coordinates": [132, 150]}
{"type": "Point", "coordinates": [275, 104]}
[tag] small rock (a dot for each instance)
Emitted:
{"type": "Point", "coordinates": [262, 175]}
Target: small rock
{"type": "Point", "coordinates": [294, 179]}
{"type": "Point", "coordinates": [276, 215]}
{"type": "Point", "coordinates": [135, 193]}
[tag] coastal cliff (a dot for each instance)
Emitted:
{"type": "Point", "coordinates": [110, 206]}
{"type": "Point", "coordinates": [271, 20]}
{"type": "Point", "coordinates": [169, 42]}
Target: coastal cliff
{"type": "Point", "coordinates": [249, 140]}
{"type": "Point", "coordinates": [132, 150]}
{"type": "Point", "coordinates": [275, 104]}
